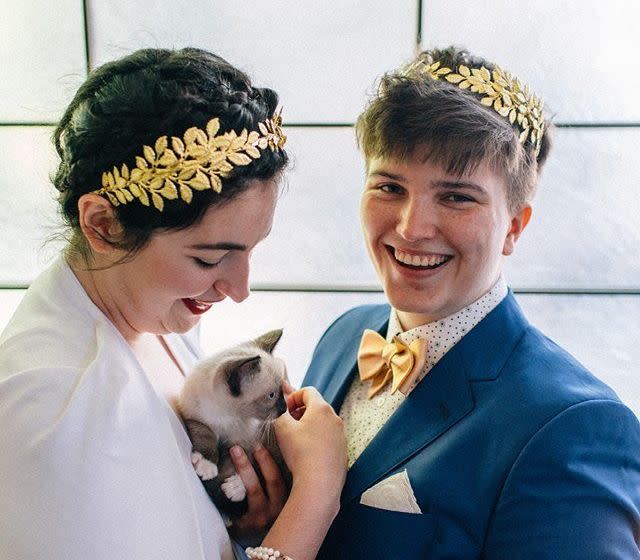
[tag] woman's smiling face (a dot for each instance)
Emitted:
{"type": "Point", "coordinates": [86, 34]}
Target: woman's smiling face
{"type": "Point", "coordinates": [437, 240]}
{"type": "Point", "coordinates": [179, 274]}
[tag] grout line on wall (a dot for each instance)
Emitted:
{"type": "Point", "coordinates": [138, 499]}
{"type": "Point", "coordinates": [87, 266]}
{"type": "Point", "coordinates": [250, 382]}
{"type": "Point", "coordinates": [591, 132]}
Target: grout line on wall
{"type": "Point", "coordinates": [419, 27]}
{"type": "Point", "coordinates": [87, 53]}
{"type": "Point", "coordinates": [266, 288]}
{"type": "Point", "coordinates": [318, 125]}
{"type": "Point", "coordinates": [376, 289]}
{"type": "Point", "coordinates": [28, 123]}
{"type": "Point", "coordinates": [599, 125]}
{"type": "Point", "coordinates": [350, 125]}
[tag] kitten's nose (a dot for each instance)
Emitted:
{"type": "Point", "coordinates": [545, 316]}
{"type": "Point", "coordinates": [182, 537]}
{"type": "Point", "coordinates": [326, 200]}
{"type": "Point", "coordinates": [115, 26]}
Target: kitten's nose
{"type": "Point", "coordinates": [281, 404]}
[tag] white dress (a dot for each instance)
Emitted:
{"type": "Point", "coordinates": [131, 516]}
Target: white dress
{"type": "Point", "coordinates": [94, 464]}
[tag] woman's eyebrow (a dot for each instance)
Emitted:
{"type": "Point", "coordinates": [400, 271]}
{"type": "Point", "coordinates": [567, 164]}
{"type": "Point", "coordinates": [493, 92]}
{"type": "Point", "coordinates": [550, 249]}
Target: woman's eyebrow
{"type": "Point", "coordinates": [221, 246]}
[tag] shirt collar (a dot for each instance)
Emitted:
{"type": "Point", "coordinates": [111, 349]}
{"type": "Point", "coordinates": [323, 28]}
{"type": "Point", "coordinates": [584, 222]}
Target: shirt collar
{"type": "Point", "coordinates": [447, 332]}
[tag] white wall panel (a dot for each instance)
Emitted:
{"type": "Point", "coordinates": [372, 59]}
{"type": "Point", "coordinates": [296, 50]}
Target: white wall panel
{"type": "Point", "coordinates": [316, 235]}
{"type": "Point", "coordinates": [584, 233]}
{"type": "Point", "coordinates": [27, 207]}
{"type": "Point", "coordinates": [585, 230]}
{"type": "Point", "coordinates": [601, 331]}
{"type": "Point", "coordinates": [578, 57]}
{"type": "Point", "coordinates": [43, 58]}
{"type": "Point", "coordinates": [320, 57]}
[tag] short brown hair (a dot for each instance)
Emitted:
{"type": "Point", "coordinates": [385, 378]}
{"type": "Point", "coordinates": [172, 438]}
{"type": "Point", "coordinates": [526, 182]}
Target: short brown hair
{"type": "Point", "coordinates": [414, 115]}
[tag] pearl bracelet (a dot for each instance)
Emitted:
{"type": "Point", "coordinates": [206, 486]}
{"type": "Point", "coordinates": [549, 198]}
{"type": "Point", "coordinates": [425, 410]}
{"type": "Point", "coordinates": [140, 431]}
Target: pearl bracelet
{"type": "Point", "coordinates": [264, 553]}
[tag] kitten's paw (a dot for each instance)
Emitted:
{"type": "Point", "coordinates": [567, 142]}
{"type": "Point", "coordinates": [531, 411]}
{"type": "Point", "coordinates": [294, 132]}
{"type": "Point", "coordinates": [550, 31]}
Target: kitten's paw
{"type": "Point", "coordinates": [206, 469]}
{"type": "Point", "coordinates": [234, 489]}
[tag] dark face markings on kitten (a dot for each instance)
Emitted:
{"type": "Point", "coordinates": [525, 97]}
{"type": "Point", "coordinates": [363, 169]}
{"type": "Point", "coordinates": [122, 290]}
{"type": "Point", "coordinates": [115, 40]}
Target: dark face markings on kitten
{"type": "Point", "coordinates": [239, 372]}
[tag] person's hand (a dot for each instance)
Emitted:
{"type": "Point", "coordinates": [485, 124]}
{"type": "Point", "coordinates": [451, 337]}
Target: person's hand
{"type": "Point", "coordinates": [312, 441]}
{"type": "Point", "coordinates": [287, 388]}
{"type": "Point", "coordinates": [265, 502]}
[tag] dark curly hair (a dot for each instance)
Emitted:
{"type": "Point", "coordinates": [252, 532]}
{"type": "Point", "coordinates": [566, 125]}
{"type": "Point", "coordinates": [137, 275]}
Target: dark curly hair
{"type": "Point", "coordinates": [129, 103]}
{"type": "Point", "coordinates": [413, 115]}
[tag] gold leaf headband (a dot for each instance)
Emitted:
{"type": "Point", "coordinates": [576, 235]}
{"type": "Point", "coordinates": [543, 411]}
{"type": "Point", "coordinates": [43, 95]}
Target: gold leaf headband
{"type": "Point", "coordinates": [198, 162]}
{"type": "Point", "coordinates": [500, 90]}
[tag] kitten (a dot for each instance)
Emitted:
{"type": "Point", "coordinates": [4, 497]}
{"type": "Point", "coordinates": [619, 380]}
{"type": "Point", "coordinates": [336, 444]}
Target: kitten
{"type": "Point", "coordinates": [232, 398]}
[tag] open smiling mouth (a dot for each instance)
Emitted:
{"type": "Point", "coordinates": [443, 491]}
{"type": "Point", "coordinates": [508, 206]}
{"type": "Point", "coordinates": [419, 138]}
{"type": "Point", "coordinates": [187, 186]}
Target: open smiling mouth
{"type": "Point", "coordinates": [197, 307]}
{"type": "Point", "coordinates": [416, 262]}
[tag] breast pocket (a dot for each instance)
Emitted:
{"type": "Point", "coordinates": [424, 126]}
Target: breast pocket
{"type": "Point", "coordinates": [367, 532]}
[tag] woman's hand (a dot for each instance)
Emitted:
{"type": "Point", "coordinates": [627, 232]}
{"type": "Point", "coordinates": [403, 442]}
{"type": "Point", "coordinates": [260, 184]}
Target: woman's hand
{"type": "Point", "coordinates": [265, 502]}
{"type": "Point", "coordinates": [312, 441]}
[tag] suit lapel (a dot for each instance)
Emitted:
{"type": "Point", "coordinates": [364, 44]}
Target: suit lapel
{"type": "Point", "coordinates": [441, 399]}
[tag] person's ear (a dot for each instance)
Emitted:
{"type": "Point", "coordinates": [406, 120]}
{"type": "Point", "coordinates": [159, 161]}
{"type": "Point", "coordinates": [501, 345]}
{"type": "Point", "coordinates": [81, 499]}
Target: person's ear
{"type": "Point", "coordinates": [518, 222]}
{"type": "Point", "coordinates": [98, 222]}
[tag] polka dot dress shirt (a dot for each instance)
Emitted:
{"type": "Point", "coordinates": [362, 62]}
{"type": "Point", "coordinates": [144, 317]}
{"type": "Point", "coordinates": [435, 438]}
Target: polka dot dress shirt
{"type": "Point", "coordinates": [364, 417]}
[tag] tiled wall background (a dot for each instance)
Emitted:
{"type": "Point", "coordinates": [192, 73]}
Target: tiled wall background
{"type": "Point", "coordinates": [577, 268]}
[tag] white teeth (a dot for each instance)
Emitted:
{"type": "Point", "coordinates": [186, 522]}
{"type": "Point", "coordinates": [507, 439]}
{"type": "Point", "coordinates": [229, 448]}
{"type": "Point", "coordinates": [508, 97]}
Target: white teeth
{"type": "Point", "coordinates": [416, 260]}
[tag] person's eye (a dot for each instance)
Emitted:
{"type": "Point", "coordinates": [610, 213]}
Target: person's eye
{"type": "Point", "coordinates": [205, 264]}
{"type": "Point", "coordinates": [458, 198]}
{"type": "Point", "coordinates": [391, 188]}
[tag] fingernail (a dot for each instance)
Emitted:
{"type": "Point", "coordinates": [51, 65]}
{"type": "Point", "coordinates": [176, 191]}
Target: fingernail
{"type": "Point", "coordinates": [236, 451]}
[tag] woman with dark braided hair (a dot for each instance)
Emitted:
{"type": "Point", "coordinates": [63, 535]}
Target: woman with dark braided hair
{"type": "Point", "coordinates": [169, 172]}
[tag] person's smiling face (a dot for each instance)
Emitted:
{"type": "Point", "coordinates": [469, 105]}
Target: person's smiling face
{"type": "Point", "coordinates": [179, 274]}
{"type": "Point", "coordinates": [436, 240]}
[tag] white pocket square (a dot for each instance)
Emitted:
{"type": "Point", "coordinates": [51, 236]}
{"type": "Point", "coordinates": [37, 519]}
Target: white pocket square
{"type": "Point", "coordinates": [393, 494]}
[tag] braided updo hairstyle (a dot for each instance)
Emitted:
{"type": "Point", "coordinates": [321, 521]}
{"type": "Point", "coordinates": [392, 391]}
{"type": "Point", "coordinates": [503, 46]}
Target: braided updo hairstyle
{"type": "Point", "coordinates": [129, 103]}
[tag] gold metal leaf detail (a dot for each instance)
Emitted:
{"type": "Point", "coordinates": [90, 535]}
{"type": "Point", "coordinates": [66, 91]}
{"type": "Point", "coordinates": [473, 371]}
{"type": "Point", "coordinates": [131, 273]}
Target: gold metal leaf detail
{"type": "Point", "coordinates": [173, 169]}
{"type": "Point", "coordinates": [499, 90]}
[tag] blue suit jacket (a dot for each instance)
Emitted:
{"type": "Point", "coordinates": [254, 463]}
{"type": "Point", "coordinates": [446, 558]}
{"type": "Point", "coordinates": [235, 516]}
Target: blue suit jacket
{"type": "Point", "coordinates": [514, 451]}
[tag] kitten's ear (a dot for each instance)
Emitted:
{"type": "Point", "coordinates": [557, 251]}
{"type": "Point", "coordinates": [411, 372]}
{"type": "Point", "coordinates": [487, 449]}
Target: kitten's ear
{"type": "Point", "coordinates": [269, 340]}
{"type": "Point", "coordinates": [237, 372]}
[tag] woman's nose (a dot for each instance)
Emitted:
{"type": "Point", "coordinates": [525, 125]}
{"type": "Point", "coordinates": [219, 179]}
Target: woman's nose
{"type": "Point", "coordinates": [235, 284]}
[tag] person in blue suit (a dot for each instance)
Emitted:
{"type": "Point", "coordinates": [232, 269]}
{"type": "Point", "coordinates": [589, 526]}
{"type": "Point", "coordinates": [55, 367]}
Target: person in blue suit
{"type": "Point", "coordinates": [470, 433]}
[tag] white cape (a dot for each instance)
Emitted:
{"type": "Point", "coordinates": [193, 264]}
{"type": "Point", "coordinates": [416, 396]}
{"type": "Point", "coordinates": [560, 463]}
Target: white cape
{"type": "Point", "coordinates": [94, 465]}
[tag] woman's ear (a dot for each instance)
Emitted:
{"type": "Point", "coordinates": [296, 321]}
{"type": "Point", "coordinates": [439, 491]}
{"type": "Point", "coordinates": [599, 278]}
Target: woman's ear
{"type": "Point", "coordinates": [518, 222]}
{"type": "Point", "coordinates": [98, 222]}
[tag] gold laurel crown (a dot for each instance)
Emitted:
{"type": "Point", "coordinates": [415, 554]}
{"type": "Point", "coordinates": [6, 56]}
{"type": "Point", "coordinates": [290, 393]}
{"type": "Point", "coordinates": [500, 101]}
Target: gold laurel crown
{"type": "Point", "coordinates": [500, 90]}
{"type": "Point", "coordinates": [197, 161]}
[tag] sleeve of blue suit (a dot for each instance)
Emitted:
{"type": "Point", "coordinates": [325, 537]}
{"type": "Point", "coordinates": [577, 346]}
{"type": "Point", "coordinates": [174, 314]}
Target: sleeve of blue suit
{"type": "Point", "coordinates": [574, 491]}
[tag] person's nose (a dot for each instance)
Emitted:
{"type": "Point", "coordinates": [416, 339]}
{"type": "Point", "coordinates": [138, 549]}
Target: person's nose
{"type": "Point", "coordinates": [235, 284]}
{"type": "Point", "coordinates": [417, 220]}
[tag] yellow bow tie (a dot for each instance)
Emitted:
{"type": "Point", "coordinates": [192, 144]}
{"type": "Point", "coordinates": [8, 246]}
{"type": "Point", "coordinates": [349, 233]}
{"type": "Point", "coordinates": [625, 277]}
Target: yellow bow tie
{"type": "Point", "coordinates": [380, 361]}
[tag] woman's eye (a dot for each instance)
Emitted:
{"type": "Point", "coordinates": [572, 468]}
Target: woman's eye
{"type": "Point", "coordinates": [205, 264]}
